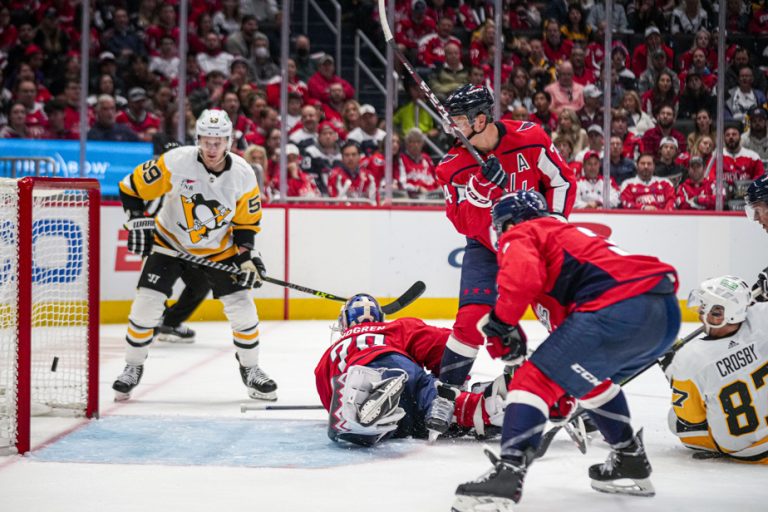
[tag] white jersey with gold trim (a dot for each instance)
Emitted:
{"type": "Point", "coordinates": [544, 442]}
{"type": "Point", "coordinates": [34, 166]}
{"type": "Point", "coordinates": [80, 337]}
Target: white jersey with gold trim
{"type": "Point", "coordinates": [720, 390]}
{"type": "Point", "coordinates": [201, 209]}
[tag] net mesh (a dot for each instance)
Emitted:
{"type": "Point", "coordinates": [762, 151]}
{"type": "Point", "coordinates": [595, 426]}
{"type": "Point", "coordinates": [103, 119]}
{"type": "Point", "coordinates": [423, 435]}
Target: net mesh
{"type": "Point", "coordinates": [59, 314]}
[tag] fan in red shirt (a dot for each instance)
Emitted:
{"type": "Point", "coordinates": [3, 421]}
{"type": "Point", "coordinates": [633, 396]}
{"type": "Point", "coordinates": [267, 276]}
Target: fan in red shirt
{"type": "Point", "coordinates": [350, 179]}
{"type": "Point", "coordinates": [519, 156]}
{"type": "Point", "coordinates": [738, 163]}
{"type": "Point", "coordinates": [609, 314]}
{"type": "Point", "coordinates": [646, 191]}
{"type": "Point", "coordinates": [142, 122]}
{"type": "Point", "coordinates": [411, 30]}
{"type": "Point", "coordinates": [697, 192]}
{"type": "Point", "coordinates": [432, 46]}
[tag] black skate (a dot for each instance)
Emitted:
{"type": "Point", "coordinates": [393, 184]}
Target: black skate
{"type": "Point", "coordinates": [260, 385]}
{"type": "Point", "coordinates": [180, 334]}
{"type": "Point", "coordinates": [127, 380]}
{"type": "Point", "coordinates": [626, 471]}
{"type": "Point", "coordinates": [440, 415]}
{"type": "Point", "coordinates": [496, 491]}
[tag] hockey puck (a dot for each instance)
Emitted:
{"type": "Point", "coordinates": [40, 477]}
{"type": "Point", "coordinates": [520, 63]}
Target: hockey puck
{"type": "Point", "coordinates": [54, 363]}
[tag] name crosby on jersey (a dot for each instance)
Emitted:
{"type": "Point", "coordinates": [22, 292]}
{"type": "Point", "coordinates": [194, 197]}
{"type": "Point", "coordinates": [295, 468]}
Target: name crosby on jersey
{"type": "Point", "coordinates": [737, 360]}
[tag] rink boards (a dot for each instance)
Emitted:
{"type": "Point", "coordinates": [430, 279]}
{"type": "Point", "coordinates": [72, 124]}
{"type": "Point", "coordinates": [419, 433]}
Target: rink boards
{"type": "Point", "coordinates": [383, 251]}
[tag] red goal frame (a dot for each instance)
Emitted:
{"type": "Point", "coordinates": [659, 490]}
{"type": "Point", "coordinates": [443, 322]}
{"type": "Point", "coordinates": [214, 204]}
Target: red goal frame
{"type": "Point", "coordinates": [26, 187]}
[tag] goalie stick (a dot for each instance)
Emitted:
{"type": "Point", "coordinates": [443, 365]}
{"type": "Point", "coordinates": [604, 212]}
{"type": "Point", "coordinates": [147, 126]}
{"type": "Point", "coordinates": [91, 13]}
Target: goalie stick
{"type": "Point", "coordinates": [447, 121]}
{"type": "Point", "coordinates": [410, 295]}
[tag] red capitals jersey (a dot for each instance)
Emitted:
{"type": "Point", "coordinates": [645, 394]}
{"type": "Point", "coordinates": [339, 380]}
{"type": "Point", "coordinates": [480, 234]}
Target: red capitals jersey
{"type": "Point", "coordinates": [432, 48]}
{"type": "Point", "coordinates": [341, 183]}
{"type": "Point", "coordinates": [409, 33]}
{"type": "Point", "coordinates": [696, 196]}
{"type": "Point", "coordinates": [655, 194]}
{"type": "Point", "coordinates": [141, 124]}
{"type": "Point", "coordinates": [559, 268]}
{"type": "Point", "coordinates": [359, 345]}
{"type": "Point", "coordinates": [416, 176]}
{"type": "Point", "coordinates": [527, 154]}
{"type": "Point", "coordinates": [745, 164]}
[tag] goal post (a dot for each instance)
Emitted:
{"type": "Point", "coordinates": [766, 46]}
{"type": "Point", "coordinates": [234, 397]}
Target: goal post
{"type": "Point", "coordinates": [49, 301]}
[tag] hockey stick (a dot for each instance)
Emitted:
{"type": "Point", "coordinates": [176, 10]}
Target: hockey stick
{"type": "Point", "coordinates": [261, 407]}
{"type": "Point", "coordinates": [447, 121]}
{"type": "Point", "coordinates": [410, 295]}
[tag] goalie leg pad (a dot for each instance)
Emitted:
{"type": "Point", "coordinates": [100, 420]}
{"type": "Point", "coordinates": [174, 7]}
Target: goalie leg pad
{"type": "Point", "coordinates": [146, 313]}
{"type": "Point", "coordinates": [244, 320]}
{"type": "Point", "coordinates": [351, 390]}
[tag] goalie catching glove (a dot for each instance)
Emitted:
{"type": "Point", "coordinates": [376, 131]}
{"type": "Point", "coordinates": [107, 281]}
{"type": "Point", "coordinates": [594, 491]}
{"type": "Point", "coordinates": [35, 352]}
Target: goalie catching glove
{"type": "Point", "coordinates": [506, 342]}
{"type": "Point", "coordinates": [141, 234]}
{"type": "Point", "coordinates": [252, 270]}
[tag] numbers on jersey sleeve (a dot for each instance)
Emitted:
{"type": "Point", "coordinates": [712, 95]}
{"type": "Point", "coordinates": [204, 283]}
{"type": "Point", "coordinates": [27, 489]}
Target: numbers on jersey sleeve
{"type": "Point", "coordinates": [254, 204]}
{"type": "Point", "coordinates": [151, 172]}
{"type": "Point", "coordinates": [736, 401]}
{"type": "Point", "coordinates": [362, 341]}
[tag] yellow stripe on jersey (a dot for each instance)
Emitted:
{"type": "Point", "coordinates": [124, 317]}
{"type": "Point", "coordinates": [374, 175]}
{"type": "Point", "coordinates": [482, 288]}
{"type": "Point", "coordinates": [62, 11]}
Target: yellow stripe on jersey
{"type": "Point", "coordinates": [698, 441]}
{"type": "Point", "coordinates": [222, 252]}
{"type": "Point", "coordinates": [248, 211]}
{"type": "Point", "coordinates": [687, 402]}
{"type": "Point", "coordinates": [148, 181]}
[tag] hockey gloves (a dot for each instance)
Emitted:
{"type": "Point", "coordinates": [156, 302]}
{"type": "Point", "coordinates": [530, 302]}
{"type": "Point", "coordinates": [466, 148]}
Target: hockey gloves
{"type": "Point", "coordinates": [493, 172]}
{"type": "Point", "coordinates": [506, 342]}
{"type": "Point", "coordinates": [762, 286]}
{"type": "Point", "coordinates": [252, 268]}
{"type": "Point", "coordinates": [140, 235]}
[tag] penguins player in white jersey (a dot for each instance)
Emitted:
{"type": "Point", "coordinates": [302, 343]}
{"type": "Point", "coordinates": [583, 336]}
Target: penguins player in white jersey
{"type": "Point", "coordinates": [720, 381]}
{"type": "Point", "coordinates": [211, 208]}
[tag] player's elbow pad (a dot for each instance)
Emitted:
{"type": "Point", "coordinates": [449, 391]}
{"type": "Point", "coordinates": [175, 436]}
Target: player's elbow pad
{"type": "Point", "coordinates": [243, 238]}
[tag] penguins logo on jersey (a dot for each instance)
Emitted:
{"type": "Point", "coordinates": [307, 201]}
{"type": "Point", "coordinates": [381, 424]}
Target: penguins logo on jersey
{"type": "Point", "coordinates": [202, 216]}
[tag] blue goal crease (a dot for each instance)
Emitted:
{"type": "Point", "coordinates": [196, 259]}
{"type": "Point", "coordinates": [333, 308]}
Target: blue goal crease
{"type": "Point", "coordinates": [194, 441]}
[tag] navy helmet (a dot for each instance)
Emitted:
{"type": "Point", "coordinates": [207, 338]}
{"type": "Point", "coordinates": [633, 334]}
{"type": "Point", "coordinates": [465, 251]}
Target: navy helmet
{"type": "Point", "coordinates": [470, 100]}
{"type": "Point", "coordinates": [758, 190]}
{"type": "Point", "coordinates": [360, 309]}
{"type": "Point", "coordinates": [516, 207]}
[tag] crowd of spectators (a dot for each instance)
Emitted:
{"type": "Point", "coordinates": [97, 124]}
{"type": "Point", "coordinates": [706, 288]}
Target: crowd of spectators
{"type": "Point", "coordinates": [664, 59]}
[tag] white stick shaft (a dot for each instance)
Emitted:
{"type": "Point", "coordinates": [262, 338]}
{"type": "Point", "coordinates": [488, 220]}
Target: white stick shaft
{"type": "Point", "coordinates": [264, 407]}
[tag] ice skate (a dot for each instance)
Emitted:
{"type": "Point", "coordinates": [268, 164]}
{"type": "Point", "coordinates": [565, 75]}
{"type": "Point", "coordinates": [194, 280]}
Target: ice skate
{"type": "Point", "coordinates": [180, 334]}
{"type": "Point", "coordinates": [260, 385]}
{"type": "Point", "coordinates": [440, 415]}
{"type": "Point", "coordinates": [496, 491]}
{"type": "Point", "coordinates": [127, 380]}
{"type": "Point", "coordinates": [626, 471]}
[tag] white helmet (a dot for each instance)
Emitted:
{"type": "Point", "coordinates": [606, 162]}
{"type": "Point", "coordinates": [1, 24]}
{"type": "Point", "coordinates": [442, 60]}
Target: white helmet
{"type": "Point", "coordinates": [214, 123]}
{"type": "Point", "coordinates": [730, 292]}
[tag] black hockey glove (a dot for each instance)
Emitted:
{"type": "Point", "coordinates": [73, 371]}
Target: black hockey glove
{"type": "Point", "coordinates": [141, 234]}
{"type": "Point", "coordinates": [761, 286]}
{"type": "Point", "coordinates": [252, 269]}
{"type": "Point", "coordinates": [514, 343]}
{"type": "Point", "coordinates": [493, 172]}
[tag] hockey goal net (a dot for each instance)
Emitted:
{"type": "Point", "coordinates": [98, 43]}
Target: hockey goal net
{"type": "Point", "coordinates": [49, 301]}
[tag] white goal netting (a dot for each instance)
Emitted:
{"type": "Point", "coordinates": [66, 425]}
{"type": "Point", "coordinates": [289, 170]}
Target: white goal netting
{"type": "Point", "coordinates": [59, 312]}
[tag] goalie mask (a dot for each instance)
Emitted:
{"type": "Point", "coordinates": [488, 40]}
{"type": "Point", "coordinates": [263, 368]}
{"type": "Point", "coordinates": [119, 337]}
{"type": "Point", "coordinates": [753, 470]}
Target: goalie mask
{"type": "Point", "coordinates": [729, 292]}
{"type": "Point", "coordinates": [364, 405]}
{"type": "Point", "coordinates": [360, 309]}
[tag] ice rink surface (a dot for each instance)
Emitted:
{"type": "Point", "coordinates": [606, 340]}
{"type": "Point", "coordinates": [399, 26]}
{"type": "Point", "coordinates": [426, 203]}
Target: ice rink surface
{"type": "Point", "coordinates": [182, 444]}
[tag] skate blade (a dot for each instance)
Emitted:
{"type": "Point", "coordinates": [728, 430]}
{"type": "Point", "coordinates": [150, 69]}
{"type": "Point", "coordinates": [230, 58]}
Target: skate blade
{"type": "Point", "coordinates": [482, 504]}
{"type": "Point", "coordinates": [257, 395]}
{"type": "Point", "coordinates": [170, 338]}
{"type": "Point", "coordinates": [121, 397]}
{"type": "Point", "coordinates": [628, 486]}
{"type": "Point", "coordinates": [577, 433]}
